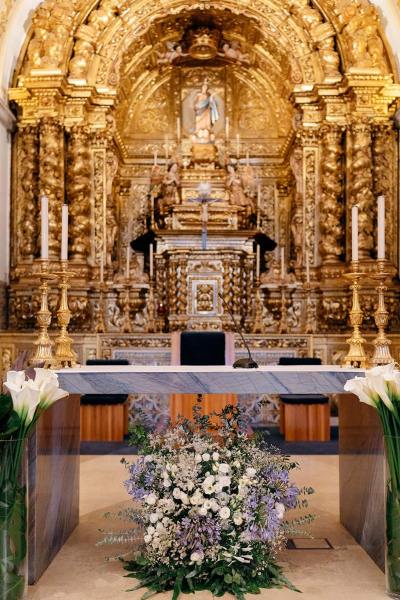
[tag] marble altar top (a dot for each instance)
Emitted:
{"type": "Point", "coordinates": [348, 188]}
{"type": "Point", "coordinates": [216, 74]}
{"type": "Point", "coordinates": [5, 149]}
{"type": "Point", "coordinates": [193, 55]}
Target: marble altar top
{"type": "Point", "coordinates": [299, 379]}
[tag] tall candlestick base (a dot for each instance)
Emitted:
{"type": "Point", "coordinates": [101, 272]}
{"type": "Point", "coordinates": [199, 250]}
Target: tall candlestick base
{"type": "Point", "coordinates": [283, 325]}
{"type": "Point", "coordinates": [310, 316]}
{"type": "Point", "coordinates": [381, 343]}
{"type": "Point", "coordinates": [151, 316]}
{"type": "Point", "coordinates": [100, 326]}
{"type": "Point", "coordinates": [126, 321]}
{"type": "Point", "coordinates": [356, 356]}
{"type": "Point", "coordinates": [43, 356]}
{"type": "Point", "coordinates": [65, 356]}
{"type": "Point", "coordinates": [258, 315]}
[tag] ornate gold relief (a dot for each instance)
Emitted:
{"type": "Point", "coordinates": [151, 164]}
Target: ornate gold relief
{"type": "Point", "coordinates": [79, 188]}
{"type": "Point", "coordinates": [28, 164]}
{"type": "Point", "coordinates": [331, 206]}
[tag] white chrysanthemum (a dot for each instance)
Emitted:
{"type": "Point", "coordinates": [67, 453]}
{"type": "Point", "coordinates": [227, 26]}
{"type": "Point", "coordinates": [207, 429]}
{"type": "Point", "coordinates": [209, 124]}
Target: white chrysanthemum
{"type": "Point", "coordinates": [153, 518]}
{"type": "Point", "coordinates": [238, 518]}
{"type": "Point", "coordinates": [224, 468]}
{"type": "Point", "coordinates": [197, 557]}
{"type": "Point", "coordinates": [151, 499]}
{"type": "Point", "coordinates": [177, 493]}
{"type": "Point", "coordinates": [202, 511]}
{"type": "Point", "coordinates": [147, 538]}
{"type": "Point", "coordinates": [224, 513]}
{"type": "Point", "coordinates": [206, 457]}
{"type": "Point", "coordinates": [215, 456]}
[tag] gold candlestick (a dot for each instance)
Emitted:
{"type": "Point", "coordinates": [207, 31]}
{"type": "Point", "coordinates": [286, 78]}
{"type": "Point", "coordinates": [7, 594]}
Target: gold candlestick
{"type": "Point", "coordinates": [310, 317]}
{"type": "Point", "coordinates": [126, 323]}
{"type": "Point", "coordinates": [381, 343]}
{"type": "Point", "coordinates": [283, 325]}
{"type": "Point", "coordinates": [65, 356]}
{"type": "Point", "coordinates": [151, 327]}
{"type": "Point", "coordinates": [258, 322]}
{"type": "Point", "coordinates": [101, 324]}
{"type": "Point", "coordinates": [43, 356]}
{"type": "Point", "coordinates": [356, 356]}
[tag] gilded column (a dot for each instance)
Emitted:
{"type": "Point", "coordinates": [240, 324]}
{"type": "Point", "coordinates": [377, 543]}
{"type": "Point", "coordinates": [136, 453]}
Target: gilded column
{"type": "Point", "coordinates": [383, 176]}
{"type": "Point", "coordinates": [361, 185]}
{"type": "Point", "coordinates": [28, 174]}
{"type": "Point", "coordinates": [51, 177]}
{"type": "Point", "coordinates": [78, 191]}
{"type": "Point", "coordinates": [331, 206]}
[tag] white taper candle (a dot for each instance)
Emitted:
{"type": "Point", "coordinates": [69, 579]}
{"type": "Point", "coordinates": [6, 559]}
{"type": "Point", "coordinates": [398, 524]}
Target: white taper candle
{"type": "Point", "coordinates": [354, 233]}
{"type": "Point", "coordinates": [44, 213]}
{"type": "Point", "coordinates": [227, 128]}
{"type": "Point", "coordinates": [381, 227]}
{"type": "Point", "coordinates": [178, 129]}
{"type": "Point", "coordinates": [64, 232]}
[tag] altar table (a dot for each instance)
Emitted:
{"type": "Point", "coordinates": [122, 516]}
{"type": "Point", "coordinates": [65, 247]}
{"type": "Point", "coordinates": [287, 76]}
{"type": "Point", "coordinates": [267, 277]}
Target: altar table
{"type": "Point", "coordinates": [299, 379]}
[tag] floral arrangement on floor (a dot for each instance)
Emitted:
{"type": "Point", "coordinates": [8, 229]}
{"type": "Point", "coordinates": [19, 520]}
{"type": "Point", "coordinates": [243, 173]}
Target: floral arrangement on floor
{"type": "Point", "coordinates": [213, 505]}
{"type": "Point", "coordinates": [30, 394]}
{"type": "Point", "coordinates": [380, 388]}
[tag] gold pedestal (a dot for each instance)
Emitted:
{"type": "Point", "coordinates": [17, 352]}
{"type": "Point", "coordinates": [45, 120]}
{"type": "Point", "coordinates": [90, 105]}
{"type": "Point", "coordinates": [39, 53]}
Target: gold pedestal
{"type": "Point", "coordinates": [381, 343]}
{"type": "Point", "coordinates": [43, 356]}
{"type": "Point", "coordinates": [356, 356]}
{"type": "Point", "coordinates": [65, 356]}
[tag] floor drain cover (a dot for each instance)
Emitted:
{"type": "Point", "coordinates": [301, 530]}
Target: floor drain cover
{"type": "Point", "coordinates": [309, 544]}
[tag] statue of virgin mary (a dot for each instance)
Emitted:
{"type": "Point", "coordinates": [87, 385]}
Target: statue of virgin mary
{"type": "Point", "coordinates": [206, 113]}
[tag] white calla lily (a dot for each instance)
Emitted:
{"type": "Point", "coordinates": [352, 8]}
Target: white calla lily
{"type": "Point", "coordinates": [359, 387]}
{"type": "Point", "coordinates": [15, 380]}
{"type": "Point", "coordinates": [378, 385]}
{"type": "Point", "coordinates": [25, 403]}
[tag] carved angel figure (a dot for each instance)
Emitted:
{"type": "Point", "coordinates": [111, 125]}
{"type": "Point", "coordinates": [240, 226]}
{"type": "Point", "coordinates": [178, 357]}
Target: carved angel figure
{"type": "Point", "coordinates": [170, 188]}
{"type": "Point", "coordinates": [296, 228]}
{"type": "Point", "coordinates": [233, 51]}
{"type": "Point", "coordinates": [234, 185]}
{"type": "Point", "coordinates": [173, 52]}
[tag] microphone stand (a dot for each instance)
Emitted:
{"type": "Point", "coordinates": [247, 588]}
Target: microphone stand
{"type": "Point", "coordinates": [241, 363]}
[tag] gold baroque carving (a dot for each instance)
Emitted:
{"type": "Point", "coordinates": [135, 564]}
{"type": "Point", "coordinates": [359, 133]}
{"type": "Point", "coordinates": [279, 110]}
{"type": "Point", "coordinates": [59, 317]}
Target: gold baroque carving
{"type": "Point", "coordinates": [331, 209]}
{"type": "Point", "coordinates": [28, 171]}
{"type": "Point", "coordinates": [79, 187]}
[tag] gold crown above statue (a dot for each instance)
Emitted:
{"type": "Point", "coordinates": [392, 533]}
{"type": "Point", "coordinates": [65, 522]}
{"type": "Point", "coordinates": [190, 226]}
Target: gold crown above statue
{"type": "Point", "coordinates": [203, 43]}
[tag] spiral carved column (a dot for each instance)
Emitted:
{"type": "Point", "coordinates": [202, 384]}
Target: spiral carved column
{"type": "Point", "coordinates": [28, 167]}
{"type": "Point", "coordinates": [51, 177]}
{"type": "Point", "coordinates": [383, 173]}
{"type": "Point", "coordinates": [362, 185]}
{"type": "Point", "coordinates": [331, 206]}
{"type": "Point", "coordinates": [79, 187]}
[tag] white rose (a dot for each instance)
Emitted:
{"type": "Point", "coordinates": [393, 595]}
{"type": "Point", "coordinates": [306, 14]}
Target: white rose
{"type": "Point", "coordinates": [202, 511]}
{"type": "Point", "coordinates": [150, 530]}
{"type": "Point", "coordinates": [224, 468]}
{"type": "Point", "coordinates": [225, 481]}
{"type": "Point", "coordinates": [197, 458]}
{"type": "Point", "coordinates": [215, 456]}
{"type": "Point", "coordinates": [207, 504]}
{"type": "Point", "coordinates": [167, 483]}
{"type": "Point", "coordinates": [237, 518]}
{"type": "Point", "coordinates": [177, 493]}
{"type": "Point", "coordinates": [250, 472]}
{"type": "Point", "coordinates": [151, 499]}
{"type": "Point", "coordinates": [224, 513]}
{"type": "Point", "coordinates": [206, 457]}
{"type": "Point", "coordinates": [197, 557]}
{"type": "Point", "coordinates": [184, 498]}
{"type": "Point", "coordinates": [147, 539]}
{"type": "Point", "coordinates": [153, 518]}
{"type": "Point", "coordinates": [214, 506]}
{"type": "Point", "coordinates": [280, 509]}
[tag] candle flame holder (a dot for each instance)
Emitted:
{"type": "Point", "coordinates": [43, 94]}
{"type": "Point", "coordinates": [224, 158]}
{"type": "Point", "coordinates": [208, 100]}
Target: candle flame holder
{"type": "Point", "coordinates": [356, 356]}
{"type": "Point", "coordinates": [382, 355]}
{"type": "Point", "coordinates": [65, 355]}
{"type": "Point", "coordinates": [100, 321]}
{"type": "Point", "coordinates": [43, 356]}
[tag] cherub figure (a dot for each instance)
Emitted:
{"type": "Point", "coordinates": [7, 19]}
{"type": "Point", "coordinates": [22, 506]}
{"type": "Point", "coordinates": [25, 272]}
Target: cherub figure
{"type": "Point", "coordinates": [233, 51]}
{"type": "Point", "coordinates": [173, 52]}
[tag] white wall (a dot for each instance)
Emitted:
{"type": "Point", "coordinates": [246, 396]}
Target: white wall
{"type": "Point", "coordinates": [10, 46]}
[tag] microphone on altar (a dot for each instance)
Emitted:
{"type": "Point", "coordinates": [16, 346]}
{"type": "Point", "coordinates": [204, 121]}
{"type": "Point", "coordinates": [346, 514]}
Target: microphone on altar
{"type": "Point", "coordinates": [241, 363]}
